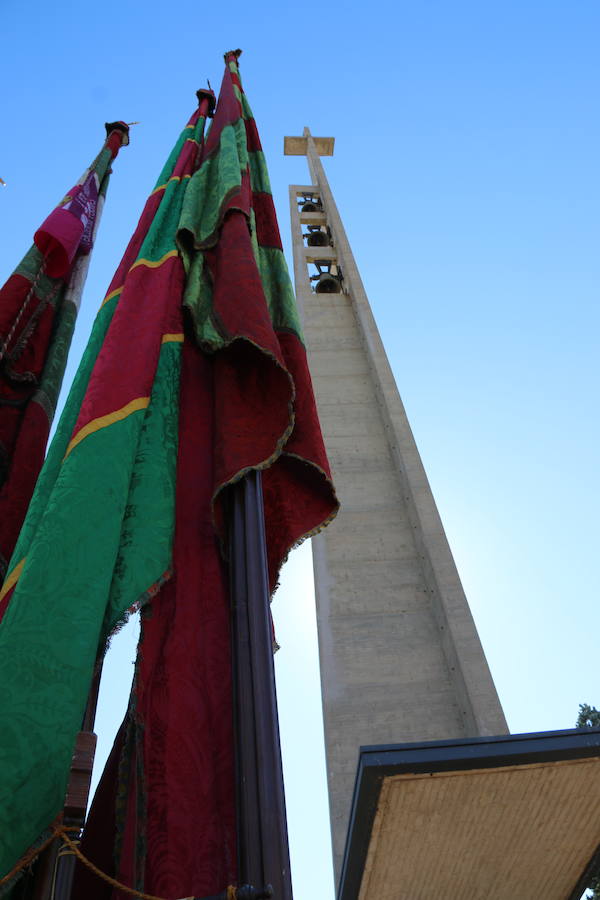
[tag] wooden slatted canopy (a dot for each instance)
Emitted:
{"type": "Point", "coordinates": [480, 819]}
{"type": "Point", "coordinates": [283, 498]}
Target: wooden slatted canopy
{"type": "Point", "coordinates": [515, 817]}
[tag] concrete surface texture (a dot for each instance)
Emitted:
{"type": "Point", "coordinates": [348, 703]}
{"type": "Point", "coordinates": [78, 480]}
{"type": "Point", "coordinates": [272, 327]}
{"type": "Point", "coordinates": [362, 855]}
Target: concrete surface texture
{"type": "Point", "coordinates": [399, 653]}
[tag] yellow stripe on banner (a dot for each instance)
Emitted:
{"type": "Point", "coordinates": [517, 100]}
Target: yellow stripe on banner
{"type": "Point", "coordinates": [193, 141]}
{"type": "Point", "coordinates": [12, 579]}
{"type": "Point", "coordinates": [161, 187]}
{"type": "Point", "coordinates": [172, 339]}
{"type": "Point", "coordinates": [141, 262]}
{"type": "Point", "coordinates": [103, 421]}
{"type": "Point", "coordinates": [111, 295]}
{"type": "Point", "coordinates": [151, 264]}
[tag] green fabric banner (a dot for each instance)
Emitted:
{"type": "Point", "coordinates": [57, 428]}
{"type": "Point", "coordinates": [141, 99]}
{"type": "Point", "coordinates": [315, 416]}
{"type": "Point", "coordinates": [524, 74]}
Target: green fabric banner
{"type": "Point", "coordinates": [97, 539]}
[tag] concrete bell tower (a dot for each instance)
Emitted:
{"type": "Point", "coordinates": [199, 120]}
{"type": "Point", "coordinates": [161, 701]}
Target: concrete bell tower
{"type": "Point", "coordinates": [400, 656]}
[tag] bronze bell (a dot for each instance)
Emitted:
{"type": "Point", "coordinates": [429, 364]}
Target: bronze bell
{"type": "Point", "coordinates": [311, 206]}
{"type": "Point", "coordinates": [317, 239]}
{"type": "Point", "coordinates": [328, 284]}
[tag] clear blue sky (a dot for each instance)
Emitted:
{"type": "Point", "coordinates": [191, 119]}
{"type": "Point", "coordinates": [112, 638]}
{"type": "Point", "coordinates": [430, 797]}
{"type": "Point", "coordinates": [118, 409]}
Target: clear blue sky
{"type": "Point", "coordinates": [467, 141]}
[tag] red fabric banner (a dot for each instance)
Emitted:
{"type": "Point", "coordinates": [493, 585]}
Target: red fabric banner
{"type": "Point", "coordinates": [38, 308]}
{"type": "Point", "coordinates": [246, 402]}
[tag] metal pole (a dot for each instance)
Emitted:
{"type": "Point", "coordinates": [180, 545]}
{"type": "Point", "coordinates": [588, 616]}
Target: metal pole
{"type": "Point", "coordinates": [263, 853]}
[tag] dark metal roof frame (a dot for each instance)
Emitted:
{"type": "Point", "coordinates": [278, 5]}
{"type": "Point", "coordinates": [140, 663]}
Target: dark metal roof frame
{"type": "Point", "coordinates": [378, 762]}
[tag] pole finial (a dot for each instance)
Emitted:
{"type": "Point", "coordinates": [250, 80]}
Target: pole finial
{"type": "Point", "coordinates": [121, 126]}
{"type": "Point", "coordinates": [207, 97]}
{"type": "Point", "coordinates": [232, 53]}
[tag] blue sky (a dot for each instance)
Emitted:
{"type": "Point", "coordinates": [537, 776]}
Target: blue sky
{"type": "Point", "coordinates": [465, 169]}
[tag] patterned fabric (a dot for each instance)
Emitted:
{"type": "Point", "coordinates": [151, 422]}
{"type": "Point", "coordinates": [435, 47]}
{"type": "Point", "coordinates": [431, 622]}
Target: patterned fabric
{"type": "Point", "coordinates": [243, 308]}
{"type": "Point", "coordinates": [246, 401]}
{"type": "Point", "coordinates": [125, 510]}
{"type": "Point", "coordinates": [37, 318]}
{"type": "Point", "coordinates": [79, 563]}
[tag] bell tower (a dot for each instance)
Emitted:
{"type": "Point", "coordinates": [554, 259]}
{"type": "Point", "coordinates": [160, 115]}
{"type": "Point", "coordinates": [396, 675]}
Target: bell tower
{"type": "Point", "coordinates": [400, 657]}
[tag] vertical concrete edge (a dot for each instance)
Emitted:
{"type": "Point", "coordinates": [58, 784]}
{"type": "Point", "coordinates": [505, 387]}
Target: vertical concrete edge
{"type": "Point", "coordinates": [327, 672]}
{"type": "Point", "coordinates": [481, 708]}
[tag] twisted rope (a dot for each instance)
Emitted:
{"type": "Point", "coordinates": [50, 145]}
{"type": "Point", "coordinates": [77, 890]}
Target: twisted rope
{"type": "Point", "coordinates": [19, 316]}
{"type": "Point", "coordinates": [71, 847]}
{"type": "Point", "coordinates": [33, 852]}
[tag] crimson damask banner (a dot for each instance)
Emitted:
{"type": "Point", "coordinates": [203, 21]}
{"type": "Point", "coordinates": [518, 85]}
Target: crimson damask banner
{"type": "Point", "coordinates": [195, 373]}
{"type": "Point", "coordinates": [38, 308]}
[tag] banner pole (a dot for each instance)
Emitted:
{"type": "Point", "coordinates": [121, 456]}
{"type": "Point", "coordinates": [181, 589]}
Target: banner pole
{"type": "Point", "coordinates": [263, 853]}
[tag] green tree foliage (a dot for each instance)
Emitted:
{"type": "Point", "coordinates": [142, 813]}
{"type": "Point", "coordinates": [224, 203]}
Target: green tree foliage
{"type": "Point", "coordinates": [589, 717]}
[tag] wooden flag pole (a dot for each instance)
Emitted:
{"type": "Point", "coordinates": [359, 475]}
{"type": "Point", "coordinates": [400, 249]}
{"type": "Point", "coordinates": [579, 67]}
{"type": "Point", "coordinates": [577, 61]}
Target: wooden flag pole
{"type": "Point", "coordinates": [263, 853]}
